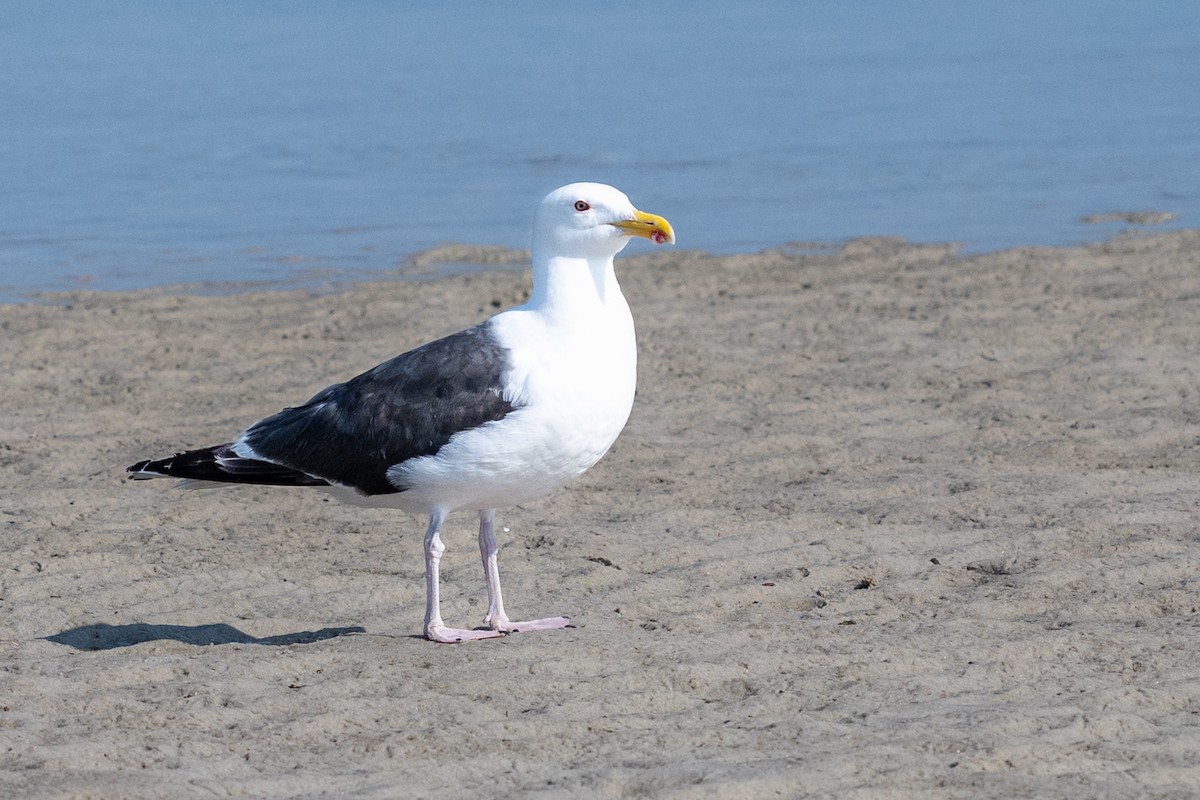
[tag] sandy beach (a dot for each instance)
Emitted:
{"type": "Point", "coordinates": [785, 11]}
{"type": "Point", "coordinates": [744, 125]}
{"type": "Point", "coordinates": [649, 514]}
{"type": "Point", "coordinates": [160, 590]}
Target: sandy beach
{"type": "Point", "coordinates": [886, 522]}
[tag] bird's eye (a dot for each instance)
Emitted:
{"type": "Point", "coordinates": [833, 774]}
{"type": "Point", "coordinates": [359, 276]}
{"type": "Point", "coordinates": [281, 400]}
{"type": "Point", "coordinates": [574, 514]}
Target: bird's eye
{"type": "Point", "coordinates": [581, 205]}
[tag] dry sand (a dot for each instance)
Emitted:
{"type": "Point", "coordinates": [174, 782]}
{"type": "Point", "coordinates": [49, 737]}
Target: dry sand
{"type": "Point", "coordinates": [886, 522]}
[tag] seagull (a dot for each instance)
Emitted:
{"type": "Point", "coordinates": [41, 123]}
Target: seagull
{"type": "Point", "coordinates": [495, 415]}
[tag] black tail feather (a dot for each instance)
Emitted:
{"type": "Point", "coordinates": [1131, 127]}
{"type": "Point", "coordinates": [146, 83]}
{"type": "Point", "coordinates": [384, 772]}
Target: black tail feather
{"type": "Point", "coordinates": [220, 464]}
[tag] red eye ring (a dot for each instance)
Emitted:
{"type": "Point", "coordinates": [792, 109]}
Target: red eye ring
{"type": "Point", "coordinates": [581, 205]}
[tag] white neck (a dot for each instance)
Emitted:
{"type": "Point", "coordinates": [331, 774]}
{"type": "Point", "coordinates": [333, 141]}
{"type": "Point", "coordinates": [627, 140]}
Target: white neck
{"type": "Point", "coordinates": [568, 288]}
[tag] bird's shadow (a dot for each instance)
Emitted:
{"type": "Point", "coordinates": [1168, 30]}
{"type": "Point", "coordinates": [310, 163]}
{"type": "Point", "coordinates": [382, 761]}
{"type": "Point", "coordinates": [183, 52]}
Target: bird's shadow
{"type": "Point", "coordinates": [102, 636]}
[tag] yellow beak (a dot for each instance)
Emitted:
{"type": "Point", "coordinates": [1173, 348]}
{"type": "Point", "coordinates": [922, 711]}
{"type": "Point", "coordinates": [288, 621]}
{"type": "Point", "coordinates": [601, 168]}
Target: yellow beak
{"type": "Point", "coordinates": [648, 226]}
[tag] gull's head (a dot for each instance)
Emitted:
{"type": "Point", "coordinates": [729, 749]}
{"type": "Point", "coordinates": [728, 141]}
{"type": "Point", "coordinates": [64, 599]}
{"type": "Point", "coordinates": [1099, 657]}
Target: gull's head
{"type": "Point", "coordinates": [585, 220]}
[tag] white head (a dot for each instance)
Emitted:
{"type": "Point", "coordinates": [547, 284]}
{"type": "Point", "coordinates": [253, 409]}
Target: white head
{"type": "Point", "coordinates": [588, 220]}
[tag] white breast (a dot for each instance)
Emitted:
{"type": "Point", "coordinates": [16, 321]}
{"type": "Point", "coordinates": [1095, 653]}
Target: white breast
{"type": "Point", "coordinates": [573, 382]}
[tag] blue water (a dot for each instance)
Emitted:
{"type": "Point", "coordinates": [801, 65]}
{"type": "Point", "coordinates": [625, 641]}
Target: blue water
{"type": "Point", "coordinates": [146, 143]}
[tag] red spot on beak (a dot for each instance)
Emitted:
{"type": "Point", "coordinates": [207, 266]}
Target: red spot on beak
{"type": "Point", "coordinates": [658, 237]}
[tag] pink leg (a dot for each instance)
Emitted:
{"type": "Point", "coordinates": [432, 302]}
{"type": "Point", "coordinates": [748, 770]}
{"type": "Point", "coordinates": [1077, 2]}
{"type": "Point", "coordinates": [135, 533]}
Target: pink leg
{"type": "Point", "coordinates": [496, 619]}
{"type": "Point", "coordinates": [435, 629]}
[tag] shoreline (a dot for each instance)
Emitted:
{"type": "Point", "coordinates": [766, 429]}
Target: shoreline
{"type": "Point", "coordinates": [888, 520]}
{"type": "Point", "coordinates": [454, 258]}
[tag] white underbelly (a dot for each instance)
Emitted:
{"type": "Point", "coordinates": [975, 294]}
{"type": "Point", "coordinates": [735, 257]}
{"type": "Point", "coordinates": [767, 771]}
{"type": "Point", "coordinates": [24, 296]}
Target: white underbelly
{"type": "Point", "coordinates": [514, 460]}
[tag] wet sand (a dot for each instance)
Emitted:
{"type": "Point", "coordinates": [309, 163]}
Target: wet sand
{"type": "Point", "coordinates": [885, 522]}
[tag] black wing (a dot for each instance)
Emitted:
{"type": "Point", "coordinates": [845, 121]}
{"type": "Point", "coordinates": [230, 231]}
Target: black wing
{"type": "Point", "coordinates": [222, 465]}
{"type": "Point", "coordinates": [352, 432]}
